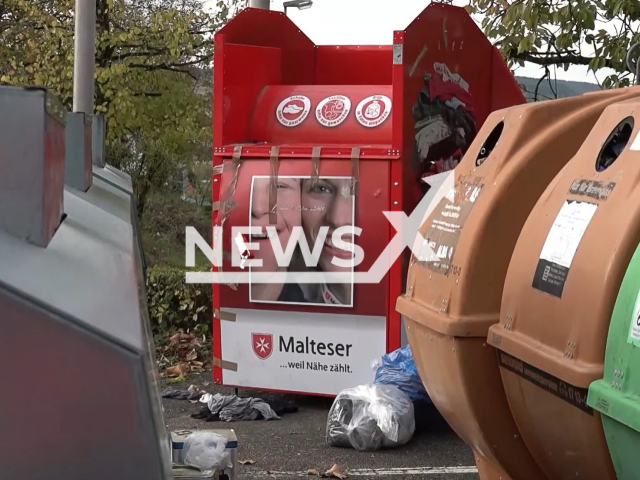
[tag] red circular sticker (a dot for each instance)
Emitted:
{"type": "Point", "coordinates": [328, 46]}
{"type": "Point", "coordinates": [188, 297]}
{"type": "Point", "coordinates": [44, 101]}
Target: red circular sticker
{"type": "Point", "coordinates": [292, 111]}
{"type": "Point", "coordinates": [373, 111]}
{"type": "Point", "coordinates": [334, 110]}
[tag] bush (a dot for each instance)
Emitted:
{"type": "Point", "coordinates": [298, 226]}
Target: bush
{"type": "Point", "coordinates": [177, 306]}
{"type": "Point", "coordinates": [163, 229]}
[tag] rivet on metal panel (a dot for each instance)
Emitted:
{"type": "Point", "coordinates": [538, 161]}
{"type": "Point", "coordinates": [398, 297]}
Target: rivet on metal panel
{"type": "Point", "coordinates": [215, 180]}
{"type": "Point", "coordinates": [484, 345]}
{"type": "Point", "coordinates": [395, 184]}
{"type": "Point", "coordinates": [395, 203]}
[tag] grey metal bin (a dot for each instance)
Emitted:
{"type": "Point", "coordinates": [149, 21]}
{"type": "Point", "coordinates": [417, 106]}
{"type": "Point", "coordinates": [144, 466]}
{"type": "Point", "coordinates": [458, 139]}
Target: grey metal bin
{"type": "Point", "coordinates": [80, 398]}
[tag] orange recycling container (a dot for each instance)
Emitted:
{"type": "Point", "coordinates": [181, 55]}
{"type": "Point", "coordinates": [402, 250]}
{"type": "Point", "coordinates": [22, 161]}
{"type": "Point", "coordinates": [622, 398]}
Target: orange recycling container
{"type": "Point", "coordinates": [559, 295]}
{"type": "Point", "coordinates": [450, 304]}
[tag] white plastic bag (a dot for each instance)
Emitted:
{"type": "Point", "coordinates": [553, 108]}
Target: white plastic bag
{"type": "Point", "coordinates": [371, 417]}
{"type": "Point", "coordinates": [206, 451]}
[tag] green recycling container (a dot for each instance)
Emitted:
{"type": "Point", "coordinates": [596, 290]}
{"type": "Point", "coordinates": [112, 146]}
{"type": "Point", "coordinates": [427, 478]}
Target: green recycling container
{"type": "Point", "coordinates": [617, 395]}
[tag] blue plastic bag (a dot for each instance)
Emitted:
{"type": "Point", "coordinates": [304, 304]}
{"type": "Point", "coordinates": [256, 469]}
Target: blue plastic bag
{"type": "Point", "coordinates": [399, 369]}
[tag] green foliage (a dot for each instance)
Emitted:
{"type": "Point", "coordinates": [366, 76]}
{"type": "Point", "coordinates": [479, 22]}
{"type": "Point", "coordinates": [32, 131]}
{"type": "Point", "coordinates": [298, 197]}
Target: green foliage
{"type": "Point", "coordinates": [163, 226]}
{"type": "Point", "coordinates": [175, 305]}
{"type": "Point", "coordinates": [564, 32]}
{"type": "Point", "coordinates": [152, 77]}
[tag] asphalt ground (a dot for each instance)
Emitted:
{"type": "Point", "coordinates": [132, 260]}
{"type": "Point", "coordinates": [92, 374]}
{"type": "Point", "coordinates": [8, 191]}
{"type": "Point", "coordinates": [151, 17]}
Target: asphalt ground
{"type": "Point", "coordinates": [286, 449]}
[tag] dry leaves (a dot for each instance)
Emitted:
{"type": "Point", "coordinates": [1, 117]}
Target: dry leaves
{"type": "Point", "coordinates": [333, 472]}
{"type": "Point", "coordinates": [179, 370]}
{"type": "Point", "coordinates": [183, 349]}
{"type": "Point", "coordinates": [192, 355]}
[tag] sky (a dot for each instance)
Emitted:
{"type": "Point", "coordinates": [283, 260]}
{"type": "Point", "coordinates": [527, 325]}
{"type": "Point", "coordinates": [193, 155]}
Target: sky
{"type": "Point", "coordinates": [372, 22]}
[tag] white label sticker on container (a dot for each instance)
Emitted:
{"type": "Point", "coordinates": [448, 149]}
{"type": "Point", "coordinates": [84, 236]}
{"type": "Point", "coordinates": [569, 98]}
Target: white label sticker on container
{"type": "Point", "coordinates": [634, 329]}
{"type": "Point", "coordinates": [567, 231]}
{"type": "Point", "coordinates": [561, 246]}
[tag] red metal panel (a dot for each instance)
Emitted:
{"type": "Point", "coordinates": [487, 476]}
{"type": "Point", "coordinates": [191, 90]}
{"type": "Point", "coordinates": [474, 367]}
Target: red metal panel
{"type": "Point", "coordinates": [216, 333]}
{"type": "Point", "coordinates": [375, 152]}
{"type": "Point", "coordinates": [272, 123]}
{"type": "Point", "coordinates": [372, 200]}
{"type": "Point", "coordinates": [449, 80]}
{"type": "Point", "coordinates": [218, 90]}
{"type": "Point", "coordinates": [353, 65]}
{"type": "Point", "coordinates": [505, 91]}
{"type": "Point", "coordinates": [266, 28]}
{"type": "Point", "coordinates": [250, 69]}
{"type": "Point", "coordinates": [218, 110]}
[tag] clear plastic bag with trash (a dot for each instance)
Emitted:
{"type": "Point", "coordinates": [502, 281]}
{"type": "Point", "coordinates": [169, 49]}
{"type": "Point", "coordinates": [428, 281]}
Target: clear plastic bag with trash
{"type": "Point", "coordinates": [206, 451]}
{"type": "Point", "coordinates": [370, 417]}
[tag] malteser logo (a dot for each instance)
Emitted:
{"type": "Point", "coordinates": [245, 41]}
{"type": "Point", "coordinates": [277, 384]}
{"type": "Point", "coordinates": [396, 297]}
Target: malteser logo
{"type": "Point", "coordinates": [262, 345]}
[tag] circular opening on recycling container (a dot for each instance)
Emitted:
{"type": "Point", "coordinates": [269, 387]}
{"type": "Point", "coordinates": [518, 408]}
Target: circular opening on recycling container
{"type": "Point", "coordinates": [615, 144]}
{"type": "Point", "coordinates": [489, 144]}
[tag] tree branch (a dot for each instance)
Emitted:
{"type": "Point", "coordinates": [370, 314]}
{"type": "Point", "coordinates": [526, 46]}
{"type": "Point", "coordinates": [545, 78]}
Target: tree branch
{"type": "Point", "coordinates": [173, 67]}
{"type": "Point", "coordinates": [554, 59]}
{"type": "Point", "coordinates": [147, 94]}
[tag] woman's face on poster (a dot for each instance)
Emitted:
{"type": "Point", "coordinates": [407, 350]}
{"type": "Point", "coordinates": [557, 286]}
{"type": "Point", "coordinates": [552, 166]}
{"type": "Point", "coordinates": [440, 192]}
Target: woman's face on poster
{"type": "Point", "coordinates": [287, 214]}
{"type": "Point", "coordinates": [328, 202]}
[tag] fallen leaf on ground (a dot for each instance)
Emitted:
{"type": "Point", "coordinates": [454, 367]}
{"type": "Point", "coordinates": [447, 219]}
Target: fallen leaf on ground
{"type": "Point", "coordinates": [179, 370]}
{"type": "Point", "coordinates": [192, 355]}
{"type": "Point", "coordinates": [247, 462]}
{"type": "Point", "coordinates": [313, 471]}
{"type": "Point", "coordinates": [206, 384]}
{"type": "Point", "coordinates": [334, 472]}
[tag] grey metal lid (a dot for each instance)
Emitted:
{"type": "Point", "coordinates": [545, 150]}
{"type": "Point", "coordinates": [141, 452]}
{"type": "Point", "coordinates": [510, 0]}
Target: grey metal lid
{"type": "Point", "coordinates": [32, 168]}
{"type": "Point", "coordinates": [86, 271]}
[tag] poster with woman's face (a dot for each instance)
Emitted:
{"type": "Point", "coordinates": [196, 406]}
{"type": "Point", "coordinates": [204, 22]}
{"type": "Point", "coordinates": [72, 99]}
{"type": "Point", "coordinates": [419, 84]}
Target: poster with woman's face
{"type": "Point", "coordinates": [316, 208]}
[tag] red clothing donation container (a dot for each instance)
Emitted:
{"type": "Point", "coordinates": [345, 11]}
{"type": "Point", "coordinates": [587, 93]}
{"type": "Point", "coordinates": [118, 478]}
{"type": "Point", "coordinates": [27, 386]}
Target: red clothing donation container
{"type": "Point", "coordinates": [309, 136]}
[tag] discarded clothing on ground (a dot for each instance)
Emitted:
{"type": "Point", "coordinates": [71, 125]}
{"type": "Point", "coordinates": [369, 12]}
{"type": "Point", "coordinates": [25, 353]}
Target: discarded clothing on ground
{"type": "Point", "coordinates": [280, 405]}
{"type": "Point", "coordinates": [231, 408]}
{"type": "Point", "coordinates": [180, 394]}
